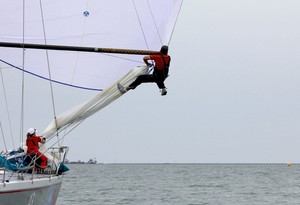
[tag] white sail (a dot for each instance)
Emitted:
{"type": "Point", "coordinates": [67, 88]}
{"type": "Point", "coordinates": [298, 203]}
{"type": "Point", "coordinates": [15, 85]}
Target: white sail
{"type": "Point", "coordinates": [129, 24]}
{"type": "Point", "coordinates": [123, 24]}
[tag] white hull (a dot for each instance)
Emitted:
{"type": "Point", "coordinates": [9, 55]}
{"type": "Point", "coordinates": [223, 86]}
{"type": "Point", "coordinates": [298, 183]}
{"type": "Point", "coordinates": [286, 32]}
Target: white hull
{"type": "Point", "coordinates": [39, 191]}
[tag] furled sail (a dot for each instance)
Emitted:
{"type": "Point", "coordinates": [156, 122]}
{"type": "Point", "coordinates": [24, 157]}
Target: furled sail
{"type": "Point", "coordinates": [88, 108]}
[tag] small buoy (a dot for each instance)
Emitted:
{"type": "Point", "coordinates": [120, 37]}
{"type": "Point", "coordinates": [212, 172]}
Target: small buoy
{"type": "Point", "coordinates": [289, 164]}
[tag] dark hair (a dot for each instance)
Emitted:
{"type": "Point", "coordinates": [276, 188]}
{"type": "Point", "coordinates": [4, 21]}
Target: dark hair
{"type": "Point", "coordinates": [164, 49]}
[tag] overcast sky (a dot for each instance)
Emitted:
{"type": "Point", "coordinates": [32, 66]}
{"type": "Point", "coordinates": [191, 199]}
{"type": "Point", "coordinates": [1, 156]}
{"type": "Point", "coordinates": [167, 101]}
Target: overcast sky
{"type": "Point", "coordinates": [233, 93]}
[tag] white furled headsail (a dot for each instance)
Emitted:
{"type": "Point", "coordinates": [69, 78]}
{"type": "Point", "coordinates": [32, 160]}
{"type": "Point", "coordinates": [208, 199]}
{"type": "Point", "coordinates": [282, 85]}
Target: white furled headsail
{"type": "Point", "coordinates": [127, 24]}
{"type": "Point", "coordinates": [83, 111]}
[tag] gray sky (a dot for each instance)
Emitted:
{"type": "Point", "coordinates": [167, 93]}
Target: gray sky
{"type": "Point", "coordinates": [233, 93]}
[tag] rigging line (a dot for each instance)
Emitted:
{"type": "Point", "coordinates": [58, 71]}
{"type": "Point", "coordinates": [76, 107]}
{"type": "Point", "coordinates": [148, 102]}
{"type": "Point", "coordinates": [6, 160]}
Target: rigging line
{"type": "Point", "coordinates": [64, 134]}
{"type": "Point", "coordinates": [78, 53]}
{"type": "Point", "coordinates": [6, 104]}
{"type": "Point", "coordinates": [57, 142]}
{"type": "Point", "coordinates": [175, 22]}
{"type": "Point", "coordinates": [123, 58]}
{"type": "Point", "coordinates": [25, 71]}
{"type": "Point", "coordinates": [154, 23]}
{"type": "Point", "coordinates": [48, 65]}
{"type": "Point", "coordinates": [81, 42]}
{"type": "Point", "coordinates": [63, 137]}
{"type": "Point", "coordinates": [141, 26]}
{"type": "Point", "coordinates": [23, 78]}
{"type": "Point", "coordinates": [55, 81]}
{"type": "Point", "coordinates": [4, 142]}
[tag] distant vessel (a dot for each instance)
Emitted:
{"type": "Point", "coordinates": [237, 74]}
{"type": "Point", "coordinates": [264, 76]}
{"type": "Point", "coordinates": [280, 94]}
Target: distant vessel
{"type": "Point", "coordinates": [91, 161]}
{"type": "Point", "coordinates": [56, 41]}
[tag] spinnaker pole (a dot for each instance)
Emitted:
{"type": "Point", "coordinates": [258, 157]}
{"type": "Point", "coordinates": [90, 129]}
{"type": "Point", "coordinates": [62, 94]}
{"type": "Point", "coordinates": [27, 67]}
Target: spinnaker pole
{"type": "Point", "coordinates": [77, 48]}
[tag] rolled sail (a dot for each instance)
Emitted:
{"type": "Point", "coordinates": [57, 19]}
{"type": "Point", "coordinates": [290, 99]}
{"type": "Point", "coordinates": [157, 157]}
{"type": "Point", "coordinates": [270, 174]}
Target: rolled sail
{"type": "Point", "coordinates": [85, 110]}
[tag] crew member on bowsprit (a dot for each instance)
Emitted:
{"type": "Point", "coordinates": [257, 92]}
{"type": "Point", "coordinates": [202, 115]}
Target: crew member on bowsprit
{"type": "Point", "coordinates": [160, 72]}
{"type": "Point", "coordinates": [32, 143]}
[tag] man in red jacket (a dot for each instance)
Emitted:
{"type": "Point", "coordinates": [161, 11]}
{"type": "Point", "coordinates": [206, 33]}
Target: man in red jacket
{"type": "Point", "coordinates": [32, 143]}
{"type": "Point", "coordinates": [160, 72]}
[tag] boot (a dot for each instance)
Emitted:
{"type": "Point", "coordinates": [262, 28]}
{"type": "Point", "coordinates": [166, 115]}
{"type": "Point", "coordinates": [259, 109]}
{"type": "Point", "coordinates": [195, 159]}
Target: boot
{"type": "Point", "coordinates": [164, 91]}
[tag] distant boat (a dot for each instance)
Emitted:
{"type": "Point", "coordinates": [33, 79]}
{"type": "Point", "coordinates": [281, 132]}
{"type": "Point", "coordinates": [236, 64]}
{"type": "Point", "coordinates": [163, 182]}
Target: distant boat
{"type": "Point", "coordinates": [91, 161]}
{"type": "Point", "coordinates": [58, 41]}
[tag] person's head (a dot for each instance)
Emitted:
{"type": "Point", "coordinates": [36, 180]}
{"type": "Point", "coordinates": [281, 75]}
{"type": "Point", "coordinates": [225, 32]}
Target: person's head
{"type": "Point", "coordinates": [31, 132]}
{"type": "Point", "coordinates": [164, 49]}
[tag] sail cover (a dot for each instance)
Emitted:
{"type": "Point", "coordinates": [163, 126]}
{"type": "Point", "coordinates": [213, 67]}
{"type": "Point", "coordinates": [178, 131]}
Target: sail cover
{"type": "Point", "coordinates": [128, 24]}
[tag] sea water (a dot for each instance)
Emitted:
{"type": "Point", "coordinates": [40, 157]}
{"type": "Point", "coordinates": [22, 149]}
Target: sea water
{"type": "Point", "coordinates": [232, 184]}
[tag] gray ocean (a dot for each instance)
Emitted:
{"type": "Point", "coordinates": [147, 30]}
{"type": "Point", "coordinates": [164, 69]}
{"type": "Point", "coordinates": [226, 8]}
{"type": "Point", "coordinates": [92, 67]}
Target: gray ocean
{"type": "Point", "coordinates": [232, 184]}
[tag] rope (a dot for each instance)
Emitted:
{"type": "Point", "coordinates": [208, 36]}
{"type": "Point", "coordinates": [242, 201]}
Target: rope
{"type": "Point", "coordinates": [7, 111]}
{"type": "Point", "coordinates": [3, 137]}
{"type": "Point", "coordinates": [123, 58]}
{"type": "Point", "coordinates": [141, 26]}
{"type": "Point", "coordinates": [48, 66]}
{"type": "Point", "coordinates": [39, 76]}
{"type": "Point", "coordinates": [23, 79]}
{"type": "Point", "coordinates": [175, 22]}
{"type": "Point", "coordinates": [81, 41]}
{"type": "Point", "coordinates": [154, 22]}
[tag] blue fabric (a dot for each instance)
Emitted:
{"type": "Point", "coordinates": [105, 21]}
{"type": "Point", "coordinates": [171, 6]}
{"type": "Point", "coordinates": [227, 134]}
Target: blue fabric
{"type": "Point", "coordinates": [12, 164]}
{"type": "Point", "coordinates": [16, 163]}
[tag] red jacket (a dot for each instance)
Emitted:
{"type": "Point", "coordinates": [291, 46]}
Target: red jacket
{"type": "Point", "coordinates": [159, 62]}
{"type": "Point", "coordinates": [32, 144]}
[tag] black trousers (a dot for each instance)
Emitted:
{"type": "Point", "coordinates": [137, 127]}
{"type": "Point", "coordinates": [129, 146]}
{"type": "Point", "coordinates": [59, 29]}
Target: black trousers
{"type": "Point", "coordinates": [153, 78]}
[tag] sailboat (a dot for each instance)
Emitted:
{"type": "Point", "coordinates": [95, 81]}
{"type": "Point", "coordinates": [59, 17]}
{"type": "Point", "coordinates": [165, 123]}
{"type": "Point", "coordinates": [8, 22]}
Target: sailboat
{"type": "Point", "coordinates": [85, 44]}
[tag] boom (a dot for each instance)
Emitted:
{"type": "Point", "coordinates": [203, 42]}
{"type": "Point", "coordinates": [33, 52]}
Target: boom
{"type": "Point", "coordinates": [77, 48]}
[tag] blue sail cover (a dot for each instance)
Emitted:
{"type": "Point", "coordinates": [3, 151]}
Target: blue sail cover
{"type": "Point", "coordinates": [20, 162]}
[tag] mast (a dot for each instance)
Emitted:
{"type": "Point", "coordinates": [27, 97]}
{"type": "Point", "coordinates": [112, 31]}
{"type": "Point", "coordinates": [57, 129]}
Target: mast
{"type": "Point", "coordinates": [77, 48]}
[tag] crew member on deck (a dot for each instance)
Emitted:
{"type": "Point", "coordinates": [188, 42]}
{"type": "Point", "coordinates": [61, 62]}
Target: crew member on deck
{"type": "Point", "coordinates": [32, 143]}
{"type": "Point", "coordinates": [160, 72]}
